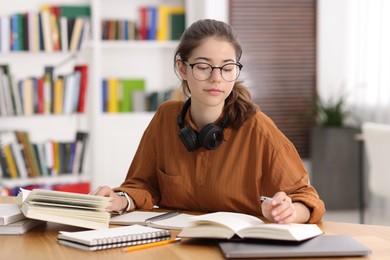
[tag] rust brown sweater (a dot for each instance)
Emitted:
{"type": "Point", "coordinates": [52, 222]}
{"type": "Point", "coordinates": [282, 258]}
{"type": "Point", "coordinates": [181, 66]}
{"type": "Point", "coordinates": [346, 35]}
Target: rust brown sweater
{"type": "Point", "coordinates": [255, 160]}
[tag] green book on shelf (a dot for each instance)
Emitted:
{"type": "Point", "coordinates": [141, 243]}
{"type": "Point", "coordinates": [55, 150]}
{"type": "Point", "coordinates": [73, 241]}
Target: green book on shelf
{"type": "Point", "coordinates": [177, 25]}
{"type": "Point", "coordinates": [128, 87]}
{"type": "Point", "coordinates": [73, 11]}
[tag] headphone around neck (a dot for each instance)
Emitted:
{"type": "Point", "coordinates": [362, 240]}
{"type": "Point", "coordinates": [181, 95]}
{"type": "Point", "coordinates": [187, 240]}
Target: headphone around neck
{"type": "Point", "coordinates": [209, 137]}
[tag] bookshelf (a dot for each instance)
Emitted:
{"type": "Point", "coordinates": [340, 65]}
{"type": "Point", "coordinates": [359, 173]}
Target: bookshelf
{"type": "Point", "coordinates": [26, 63]}
{"type": "Point", "coordinates": [113, 138]}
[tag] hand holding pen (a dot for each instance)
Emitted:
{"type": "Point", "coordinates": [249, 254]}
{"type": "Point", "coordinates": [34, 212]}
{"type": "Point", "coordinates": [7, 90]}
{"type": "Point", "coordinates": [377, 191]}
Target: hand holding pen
{"type": "Point", "coordinates": [279, 208]}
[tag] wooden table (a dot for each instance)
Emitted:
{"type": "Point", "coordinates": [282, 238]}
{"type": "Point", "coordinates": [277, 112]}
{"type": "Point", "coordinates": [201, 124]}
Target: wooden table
{"type": "Point", "coordinates": [41, 243]}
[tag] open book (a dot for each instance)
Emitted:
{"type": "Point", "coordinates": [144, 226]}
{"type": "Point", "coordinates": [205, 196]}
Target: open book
{"type": "Point", "coordinates": [226, 225]}
{"type": "Point", "coordinates": [113, 237]}
{"type": "Point", "coordinates": [69, 208]}
{"type": "Point", "coordinates": [151, 219]}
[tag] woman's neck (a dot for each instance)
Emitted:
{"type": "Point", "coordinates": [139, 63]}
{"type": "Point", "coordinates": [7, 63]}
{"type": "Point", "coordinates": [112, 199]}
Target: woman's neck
{"type": "Point", "coordinates": [202, 115]}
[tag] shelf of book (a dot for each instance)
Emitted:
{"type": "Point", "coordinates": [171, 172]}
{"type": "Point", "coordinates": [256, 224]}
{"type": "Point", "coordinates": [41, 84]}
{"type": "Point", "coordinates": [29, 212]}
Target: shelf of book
{"type": "Point", "coordinates": [43, 127]}
{"type": "Point", "coordinates": [46, 181]}
{"type": "Point", "coordinates": [138, 45]}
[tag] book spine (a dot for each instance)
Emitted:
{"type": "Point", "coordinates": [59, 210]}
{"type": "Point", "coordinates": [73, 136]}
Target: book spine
{"type": "Point", "coordinates": [10, 161]}
{"type": "Point", "coordinates": [5, 36]}
{"type": "Point", "coordinates": [82, 87]}
{"type": "Point", "coordinates": [112, 95]}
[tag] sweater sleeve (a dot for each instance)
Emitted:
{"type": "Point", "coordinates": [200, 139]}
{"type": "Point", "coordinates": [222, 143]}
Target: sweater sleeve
{"type": "Point", "coordinates": [290, 176]}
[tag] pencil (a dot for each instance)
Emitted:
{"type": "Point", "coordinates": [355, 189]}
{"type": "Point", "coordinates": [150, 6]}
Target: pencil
{"type": "Point", "coordinates": [144, 246]}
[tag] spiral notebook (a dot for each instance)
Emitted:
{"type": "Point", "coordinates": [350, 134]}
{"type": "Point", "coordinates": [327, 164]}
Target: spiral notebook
{"type": "Point", "coordinates": [93, 240]}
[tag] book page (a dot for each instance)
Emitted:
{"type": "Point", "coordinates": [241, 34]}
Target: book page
{"type": "Point", "coordinates": [291, 231]}
{"type": "Point", "coordinates": [176, 222]}
{"type": "Point", "coordinates": [138, 217]}
{"type": "Point", "coordinates": [235, 221]}
{"type": "Point", "coordinates": [61, 197]}
{"type": "Point", "coordinates": [22, 195]}
{"type": "Point", "coordinates": [134, 217]}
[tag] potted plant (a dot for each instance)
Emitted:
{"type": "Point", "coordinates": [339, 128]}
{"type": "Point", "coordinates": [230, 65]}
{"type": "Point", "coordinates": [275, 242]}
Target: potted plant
{"type": "Point", "coordinates": [334, 152]}
{"type": "Point", "coordinates": [332, 113]}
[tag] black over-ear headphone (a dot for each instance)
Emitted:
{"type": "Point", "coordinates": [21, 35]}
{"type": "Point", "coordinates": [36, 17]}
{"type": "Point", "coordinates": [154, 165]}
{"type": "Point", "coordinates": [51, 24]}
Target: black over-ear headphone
{"type": "Point", "coordinates": [209, 137]}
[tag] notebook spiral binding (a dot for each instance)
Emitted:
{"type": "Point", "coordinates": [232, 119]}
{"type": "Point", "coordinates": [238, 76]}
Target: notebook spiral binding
{"type": "Point", "coordinates": [130, 240]}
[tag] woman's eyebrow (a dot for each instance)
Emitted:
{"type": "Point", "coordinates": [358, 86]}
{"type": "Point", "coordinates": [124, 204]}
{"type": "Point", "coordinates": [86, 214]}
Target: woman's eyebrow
{"type": "Point", "coordinates": [208, 59]}
{"type": "Point", "coordinates": [202, 58]}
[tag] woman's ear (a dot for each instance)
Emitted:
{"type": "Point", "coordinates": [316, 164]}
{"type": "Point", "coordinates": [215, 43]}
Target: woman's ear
{"type": "Point", "coordinates": [182, 69]}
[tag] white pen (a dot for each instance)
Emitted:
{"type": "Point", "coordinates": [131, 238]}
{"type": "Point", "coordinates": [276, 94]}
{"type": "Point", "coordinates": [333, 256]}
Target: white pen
{"type": "Point", "coordinates": [264, 198]}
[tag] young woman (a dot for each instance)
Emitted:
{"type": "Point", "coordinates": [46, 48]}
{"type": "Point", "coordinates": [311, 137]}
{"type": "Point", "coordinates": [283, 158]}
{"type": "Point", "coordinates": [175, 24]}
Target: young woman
{"type": "Point", "coordinates": [216, 151]}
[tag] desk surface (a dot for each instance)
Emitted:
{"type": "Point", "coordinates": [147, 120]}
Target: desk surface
{"type": "Point", "coordinates": [41, 243]}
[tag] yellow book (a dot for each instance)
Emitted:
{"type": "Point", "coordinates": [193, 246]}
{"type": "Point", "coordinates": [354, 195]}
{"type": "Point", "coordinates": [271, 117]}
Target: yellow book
{"type": "Point", "coordinates": [28, 96]}
{"type": "Point", "coordinates": [47, 90]}
{"type": "Point", "coordinates": [76, 34]}
{"type": "Point", "coordinates": [112, 95]}
{"type": "Point", "coordinates": [56, 157]}
{"type": "Point", "coordinates": [163, 27]}
{"type": "Point", "coordinates": [58, 95]}
{"type": "Point", "coordinates": [10, 161]}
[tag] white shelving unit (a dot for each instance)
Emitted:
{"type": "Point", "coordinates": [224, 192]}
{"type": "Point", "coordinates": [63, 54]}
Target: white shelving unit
{"type": "Point", "coordinates": [41, 128]}
{"type": "Point", "coordinates": [113, 137]}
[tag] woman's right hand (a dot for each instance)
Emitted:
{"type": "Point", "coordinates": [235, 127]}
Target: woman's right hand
{"type": "Point", "coordinates": [118, 203]}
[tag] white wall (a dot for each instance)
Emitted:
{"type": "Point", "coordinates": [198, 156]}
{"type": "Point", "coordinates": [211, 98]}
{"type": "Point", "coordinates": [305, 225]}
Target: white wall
{"type": "Point", "coordinates": [201, 9]}
{"type": "Point", "coordinates": [331, 46]}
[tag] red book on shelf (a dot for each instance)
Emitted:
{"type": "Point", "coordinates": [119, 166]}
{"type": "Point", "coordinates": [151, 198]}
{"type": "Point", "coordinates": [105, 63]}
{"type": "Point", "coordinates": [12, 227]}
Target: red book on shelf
{"type": "Point", "coordinates": [143, 24]}
{"type": "Point", "coordinates": [83, 86]}
{"type": "Point", "coordinates": [41, 96]}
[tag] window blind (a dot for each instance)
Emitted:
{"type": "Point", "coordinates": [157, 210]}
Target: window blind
{"type": "Point", "coordinates": [279, 58]}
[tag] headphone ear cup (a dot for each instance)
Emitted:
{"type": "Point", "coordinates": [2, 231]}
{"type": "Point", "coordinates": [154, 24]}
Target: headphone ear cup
{"type": "Point", "coordinates": [189, 138]}
{"type": "Point", "coordinates": [211, 136]}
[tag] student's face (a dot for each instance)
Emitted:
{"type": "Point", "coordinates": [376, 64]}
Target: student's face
{"type": "Point", "coordinates": [213, 91]}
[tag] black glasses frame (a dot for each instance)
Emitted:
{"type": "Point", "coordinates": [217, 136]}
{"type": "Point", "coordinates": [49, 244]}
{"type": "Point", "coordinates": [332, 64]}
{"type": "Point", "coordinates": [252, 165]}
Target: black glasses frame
{"type": "Point", "coordinates": [212, 69]}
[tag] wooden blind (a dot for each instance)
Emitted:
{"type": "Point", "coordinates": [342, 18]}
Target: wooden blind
{"type": "Point", "coordinates": [279, 58]}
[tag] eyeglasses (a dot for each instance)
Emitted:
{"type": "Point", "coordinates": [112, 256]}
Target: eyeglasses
{"type": "Point", "coordinates": [202, 71]}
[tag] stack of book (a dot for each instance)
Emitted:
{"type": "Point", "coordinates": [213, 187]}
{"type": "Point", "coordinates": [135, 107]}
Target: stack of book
{"type": "Point", "coordinates": [13, 222]}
